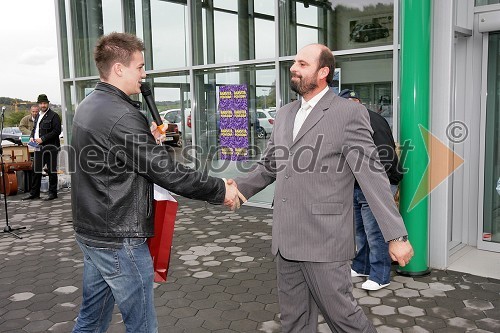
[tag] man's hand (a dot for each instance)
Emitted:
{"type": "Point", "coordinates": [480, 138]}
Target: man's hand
{"type": "Point", "coordinates": [159, 136]}
{"type": "Point", "coordinates": [240, 196]}
{"type": "Point", "coordinates": [231, 200]}
{"type": "Point", "coordinates": [401, 252]}
{"type": "Point", "coordinates": [39, 141]}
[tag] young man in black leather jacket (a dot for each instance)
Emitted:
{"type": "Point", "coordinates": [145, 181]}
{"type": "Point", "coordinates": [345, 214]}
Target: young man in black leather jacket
{"type": "Point", "coordinates": [117, 161]}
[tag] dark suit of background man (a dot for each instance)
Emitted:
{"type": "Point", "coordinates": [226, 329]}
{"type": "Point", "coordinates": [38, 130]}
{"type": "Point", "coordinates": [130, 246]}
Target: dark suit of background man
{"type": "Point", "coordinates": [317, 149]}
{"type": "Point", "coordinates": [46, 130]}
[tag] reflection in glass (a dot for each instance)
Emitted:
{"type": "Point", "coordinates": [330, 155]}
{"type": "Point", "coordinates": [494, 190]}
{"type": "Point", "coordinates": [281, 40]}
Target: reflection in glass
{"type": "Point", "coordinates": [264, 7]}
{"type": "Point", "coordinates": [233, 31]}
{"type": "Point", "coordinates": [64, 38]}
{"type": "Point", "coordinates": [112, 16]}
{"type": "Point", "coordinates": [486, 2]}
{"type": "Point", "coordinates": [87, 25]}
{"type": "Point", "coordinates": [226, 37]}
{"type": "Point", "coordinates": [173, 99]}
{"type": "Point", "coordinates": [491, 222]}
{"type": "Point", "coordinates": [370, 75]}
{"type": "Point", "coordinates": [70, 104]}
{"type": "Point", "coordinates": [226, 4]}
{"type": "Point", "coordinates": [84, 88]}
{"type": "Point", "coordinates": [306, 36]}
{"type": "Point", "coordinates": [265, 92]}
{"type": "Point", "coordinates": [340, 24]}
{"type": "Point", "coordinates": [169, 34]}
{"type": "Point", "coordinates": [264, 34]}
{"type": "Point", "coordinates": [138, 19]}
{"type": "Point", "coordinates": [307, 15]}
{"type": "Point", "coordinates": [259, 81]}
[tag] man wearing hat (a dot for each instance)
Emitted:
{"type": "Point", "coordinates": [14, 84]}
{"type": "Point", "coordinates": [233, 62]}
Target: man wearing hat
{"type": "Point", "coordinates": [372, 256]}
{"type": "Point", "coordinates": [46, 130]}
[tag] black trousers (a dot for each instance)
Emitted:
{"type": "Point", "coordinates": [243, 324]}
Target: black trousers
{"type": "Point", "coordinates": [46, 156]}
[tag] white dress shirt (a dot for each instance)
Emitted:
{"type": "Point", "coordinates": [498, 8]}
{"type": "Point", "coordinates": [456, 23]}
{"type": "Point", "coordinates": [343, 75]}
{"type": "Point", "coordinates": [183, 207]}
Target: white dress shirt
{"type": "Point", "coordinates": [305, 109]}
{"type": "Point", "coordinates": [37, 132]}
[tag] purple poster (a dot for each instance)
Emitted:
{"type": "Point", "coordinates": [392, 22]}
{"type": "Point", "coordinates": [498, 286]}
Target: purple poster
{"type": "Point", "coordinates": [233, 108]}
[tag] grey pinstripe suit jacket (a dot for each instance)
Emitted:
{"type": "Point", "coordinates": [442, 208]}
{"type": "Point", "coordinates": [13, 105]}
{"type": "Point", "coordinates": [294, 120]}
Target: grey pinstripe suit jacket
{"type": "Point", "coordinates": [314, 174]}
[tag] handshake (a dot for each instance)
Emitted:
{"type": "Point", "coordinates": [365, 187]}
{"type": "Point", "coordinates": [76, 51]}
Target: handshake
{"type": "Point", "coordinates": [233, 196]}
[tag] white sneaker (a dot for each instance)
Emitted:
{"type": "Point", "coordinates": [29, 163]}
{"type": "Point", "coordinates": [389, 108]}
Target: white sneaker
{"type": "Point", "coordinates": [355, 274]}
{"type": "Point", "coordinates": [372, 285]}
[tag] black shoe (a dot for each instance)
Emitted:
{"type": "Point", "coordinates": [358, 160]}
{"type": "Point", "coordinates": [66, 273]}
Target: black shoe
{"type": "Point", "coordinates": [51, 196]}
{"type": "Point", "coordinates": [30, 197]}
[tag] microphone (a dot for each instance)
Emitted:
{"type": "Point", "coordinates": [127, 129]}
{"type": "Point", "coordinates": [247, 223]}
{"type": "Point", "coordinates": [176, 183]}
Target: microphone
{"type": "Point", "coordinates": [146, 93]}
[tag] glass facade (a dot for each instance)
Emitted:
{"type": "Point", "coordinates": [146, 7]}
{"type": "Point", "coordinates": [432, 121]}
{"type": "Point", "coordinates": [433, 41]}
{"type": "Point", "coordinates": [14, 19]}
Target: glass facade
{"type": "Point", "coordinates": [370, 75]}
{"type": "Point", "coordinates": [341, 25]}
{"type": "Point", "coordinates": [491, 223]}
{"type": "Point", "coordinates": [63, 37]}
{"type": "Point", "coordinates": [486, 2]}
{"type": "Point", "coordinates": [196, 50]}
{"type": "Point", "coordinates": [169, 34]}
{"type": "Point", "coordinates": [232, 31]}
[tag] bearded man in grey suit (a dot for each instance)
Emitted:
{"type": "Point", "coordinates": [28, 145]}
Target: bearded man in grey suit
{"type": "Point", "coordinates": [318, 147]}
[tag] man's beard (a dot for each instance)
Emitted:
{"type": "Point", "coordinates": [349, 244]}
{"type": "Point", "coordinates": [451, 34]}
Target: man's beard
{"type": "Point", "coordinates": [303, 86]}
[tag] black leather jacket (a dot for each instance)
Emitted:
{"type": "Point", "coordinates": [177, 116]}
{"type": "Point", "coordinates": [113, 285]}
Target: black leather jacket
{"type": "Point", "coordinates": [50, 128]}
{"type": "Point", "coordinates": [116, 161]}
{"type": "Point", "coordinates": [383, 139]}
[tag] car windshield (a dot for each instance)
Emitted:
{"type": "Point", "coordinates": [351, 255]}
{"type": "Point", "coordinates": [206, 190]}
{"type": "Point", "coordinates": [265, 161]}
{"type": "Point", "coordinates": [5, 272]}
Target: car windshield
{"type": "Point", "coordinates": [173, 116]}
{"type": "Point", "coordinates": [11, 130]}
{"type": "Point", "coordinates": [272, 114]}
{"type": "Point", "coordinates": [357, 28]}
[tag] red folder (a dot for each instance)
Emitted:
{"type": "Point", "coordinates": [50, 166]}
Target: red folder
{"type": "Point", "coordinates": [161, 244]}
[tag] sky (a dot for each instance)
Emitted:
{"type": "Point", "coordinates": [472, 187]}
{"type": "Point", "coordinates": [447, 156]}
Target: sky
{"type": "Point", "coordinates": [28, 51]}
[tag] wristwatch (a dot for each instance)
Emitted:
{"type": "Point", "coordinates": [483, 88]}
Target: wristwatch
{"type": "Point", "coordinates": [400, 239]}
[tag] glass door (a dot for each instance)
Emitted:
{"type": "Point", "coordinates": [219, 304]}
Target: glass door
{"type": "Point", "coordinates": [489, 236]}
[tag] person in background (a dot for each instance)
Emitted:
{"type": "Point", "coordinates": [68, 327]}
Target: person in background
{"type": "Point", "coordinates": [118, 161]}
{"type": "Point", "coordinates": [45, 133]}
{"type": "Point", "coordinates": [372, 256]}
{"type": "Point", "coordinates": [28, 122]}
{"type": "Point", "coordinates": [318, 147]}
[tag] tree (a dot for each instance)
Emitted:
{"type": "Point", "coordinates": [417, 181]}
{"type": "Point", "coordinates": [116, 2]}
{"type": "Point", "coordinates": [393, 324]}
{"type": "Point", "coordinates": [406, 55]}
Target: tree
{"type": "Point", "coordinates": [14, 118]}
{"type": "Point", "coordinates": [268, 99]}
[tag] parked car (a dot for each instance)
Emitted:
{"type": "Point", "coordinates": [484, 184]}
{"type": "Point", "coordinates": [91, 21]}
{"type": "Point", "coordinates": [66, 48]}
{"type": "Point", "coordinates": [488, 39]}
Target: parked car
{"type": "Point", "coordinates": [367, 32]}
{"type": "Point", "coordinates": [174, 116]}
{"type": "Point", "coordinates": [172, 135]}
{"type": "Point", "coordinates": [265, 120]}
{"type": "Point", "coordinates": [12, 134]}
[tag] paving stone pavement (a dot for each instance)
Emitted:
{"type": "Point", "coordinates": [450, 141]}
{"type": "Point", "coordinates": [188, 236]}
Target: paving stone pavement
{"type": "Point", "coordinates": [222, 278]}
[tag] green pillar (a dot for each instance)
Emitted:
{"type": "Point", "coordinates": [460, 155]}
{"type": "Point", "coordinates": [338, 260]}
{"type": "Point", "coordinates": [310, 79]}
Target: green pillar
{"type": "Point", "coordinates": [414, 112]}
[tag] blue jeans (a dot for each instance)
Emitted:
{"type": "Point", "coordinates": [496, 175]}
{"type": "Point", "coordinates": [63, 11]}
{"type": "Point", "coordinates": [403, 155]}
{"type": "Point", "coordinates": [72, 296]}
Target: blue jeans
{"type": "Point", "coordinates": [372, 257]}
{"type": "Point", "coordinates": [125, 276]}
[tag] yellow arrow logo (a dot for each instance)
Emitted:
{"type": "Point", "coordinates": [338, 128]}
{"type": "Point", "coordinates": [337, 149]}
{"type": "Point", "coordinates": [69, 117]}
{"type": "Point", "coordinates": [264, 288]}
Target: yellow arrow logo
{"type": "Point", "coordinates": [442, 163]}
